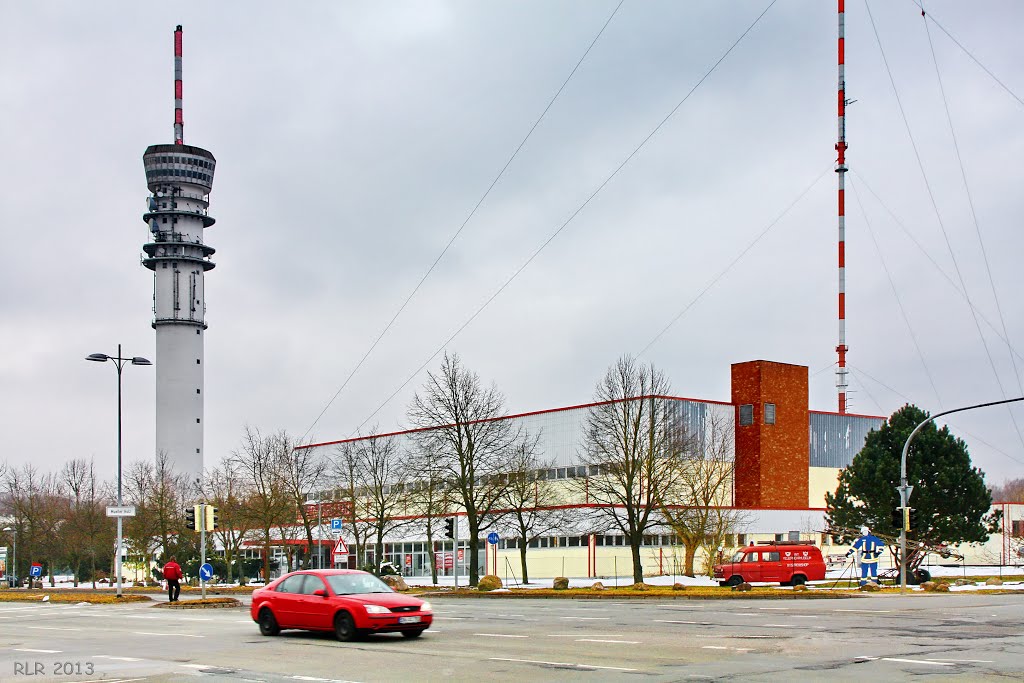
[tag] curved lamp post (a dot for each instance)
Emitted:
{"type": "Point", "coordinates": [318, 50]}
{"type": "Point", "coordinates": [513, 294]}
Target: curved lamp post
{"type": "Point", "coordinates": [119, 363]}
{"type": "Point", "coordinates": [905, 490]}
{"type": "Point", "coordinates": [14, 555]}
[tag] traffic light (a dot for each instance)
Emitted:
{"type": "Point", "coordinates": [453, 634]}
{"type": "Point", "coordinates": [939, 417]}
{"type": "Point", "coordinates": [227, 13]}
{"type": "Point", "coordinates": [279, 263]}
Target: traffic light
{"type": "Point", "coordinates": [211, 518]}
{"type": "Point", "coordinates": [192, 518]}
{"type": "Point", "coordinates": [913, 519]}
{"type": "Point", "coordinates": [449, 527]}
{"type": "Point", "coordinates": [897, 519]}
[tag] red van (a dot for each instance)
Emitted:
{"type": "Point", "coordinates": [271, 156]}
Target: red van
{"type": "Point", "coordinates": [787, 562]}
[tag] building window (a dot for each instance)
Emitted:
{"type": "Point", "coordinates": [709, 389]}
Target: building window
{"type": "Point", "coordinates": [746, 414]}
{"type": "Point", "coordinates": [769, 413]}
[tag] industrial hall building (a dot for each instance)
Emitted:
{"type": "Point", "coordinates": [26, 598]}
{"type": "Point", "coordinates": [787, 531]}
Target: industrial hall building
{"type": "Point", "coordinates": [784, 458]}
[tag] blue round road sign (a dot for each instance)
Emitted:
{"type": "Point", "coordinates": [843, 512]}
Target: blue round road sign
{"type": "Point", "coordinates": [206, 572]}
{"type": "Point", "coordinates": [493, 538]}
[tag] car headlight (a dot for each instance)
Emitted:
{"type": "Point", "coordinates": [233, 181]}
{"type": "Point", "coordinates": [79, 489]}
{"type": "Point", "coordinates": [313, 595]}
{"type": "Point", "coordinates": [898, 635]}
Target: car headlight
{"type": "Point", "coordinates": [425, 607]}
{"type": "Point", "coordinates": [376, 609]}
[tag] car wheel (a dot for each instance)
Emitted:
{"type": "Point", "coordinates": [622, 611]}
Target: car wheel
{"type": "Point", "coordinates": [734, 581]}
{"type": "Point", "coordinates": [414, 634]}
{"type": "Point", "coordinates": [344, 627]}
{"type": "Point", "coordinates": [798, 580]}
{"type": "Point", "coordinates": [919, 576]}
{"type": "Point", "coordinates": [268, 624]}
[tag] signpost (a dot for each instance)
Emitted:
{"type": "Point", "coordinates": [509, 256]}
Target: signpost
{"type": "Point", "coordinates": [340, 553]}
{"type": "Point", "coordinates": [120, 511]}
{"type": "Point", "coordinates": [336, 525]}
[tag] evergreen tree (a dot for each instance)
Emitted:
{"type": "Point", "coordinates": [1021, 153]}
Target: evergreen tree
{"type": "Point", "coordinates": [950, 497]}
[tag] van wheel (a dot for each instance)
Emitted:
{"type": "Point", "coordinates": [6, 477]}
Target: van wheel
{"type": "Point", "coordinates": [733, 581]}
{"type": "Point", "coordinates": [798, 580]}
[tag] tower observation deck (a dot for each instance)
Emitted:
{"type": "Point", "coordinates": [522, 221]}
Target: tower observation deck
{"type": "Point", "coordinates": [180, 178]}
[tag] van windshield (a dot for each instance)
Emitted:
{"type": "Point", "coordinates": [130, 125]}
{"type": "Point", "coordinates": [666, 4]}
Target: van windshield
{"type": "Point", "coordinates": [738, 557]}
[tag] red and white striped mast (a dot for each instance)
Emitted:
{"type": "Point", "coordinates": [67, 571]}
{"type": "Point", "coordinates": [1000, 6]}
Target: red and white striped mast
{"type": "Point", "coordinates": [179, 124]}
{"type": "Point", "coordinates": [841, 349]}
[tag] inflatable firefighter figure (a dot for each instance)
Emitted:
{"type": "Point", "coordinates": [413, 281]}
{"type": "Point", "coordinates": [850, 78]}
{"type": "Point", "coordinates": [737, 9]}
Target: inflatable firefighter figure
{"type": "Point", "coordinates": [870, 547]}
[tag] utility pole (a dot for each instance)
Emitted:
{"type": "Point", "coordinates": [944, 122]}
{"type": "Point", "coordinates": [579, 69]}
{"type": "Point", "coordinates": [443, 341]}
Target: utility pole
{"type": "Point", "coordinates": [905, 490]}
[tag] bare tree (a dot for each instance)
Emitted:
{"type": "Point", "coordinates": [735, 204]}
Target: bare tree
{"type": "Point", "coordinates": [347, 471]}
{"type": "Point", "coordinates": [534, 502]}
{"type": "Point", "coordinates": [36, 506]}
{"type": "Point", "coordinates": [627, 441]}
{"type": "Point", "coordinates": [268, 504]}
{"type": "Point", "coordinates": [461, 424]}
{"type": "Point", "coordinates": [1012, 491]}
{"type": "Point", "coordinates": [87, 532]}
{"type": "Point", "coordinates": [224, 488]}
{"type": "Point", "coordinates": [303, 471]}
{"type": "Point", "coordinates": [429, 496]}
{"type": "Point", "coordinates": [383, 472]}
{"type": "Point", "coordinates": [698, 507]}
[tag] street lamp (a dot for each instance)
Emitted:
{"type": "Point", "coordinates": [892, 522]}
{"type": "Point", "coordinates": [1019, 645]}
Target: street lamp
{"type": "Point", "coordinates": [905, 490]}
{"type": "Point", "coordinates": [14, 554]}
{"type": "Point", "coordinates": [119, 363]}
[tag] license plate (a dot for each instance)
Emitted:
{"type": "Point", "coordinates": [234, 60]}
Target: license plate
{"type": "Point", "coordinates": [408, 620]}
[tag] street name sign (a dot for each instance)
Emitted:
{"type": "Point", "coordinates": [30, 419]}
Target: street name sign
{"type": "Point", "coordinates": [120, 511]}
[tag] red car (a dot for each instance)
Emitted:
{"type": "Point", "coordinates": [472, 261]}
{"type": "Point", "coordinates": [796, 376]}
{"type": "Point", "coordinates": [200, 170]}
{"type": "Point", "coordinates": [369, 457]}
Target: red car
{"type": "Point", "coordinates": [350, 603]}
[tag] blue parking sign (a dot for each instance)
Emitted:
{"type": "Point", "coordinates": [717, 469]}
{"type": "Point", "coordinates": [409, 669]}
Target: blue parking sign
{"type": "Point", "coordinates": [35, 570]}
{"type": "Point", "coordinates": [336, 524]}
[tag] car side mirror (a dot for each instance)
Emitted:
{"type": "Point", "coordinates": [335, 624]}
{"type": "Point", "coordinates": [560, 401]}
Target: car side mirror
{"type": "Point", "coordinates": [321, 592]}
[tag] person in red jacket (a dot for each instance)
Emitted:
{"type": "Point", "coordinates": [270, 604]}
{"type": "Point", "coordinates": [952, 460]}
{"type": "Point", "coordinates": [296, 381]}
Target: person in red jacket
{"type": "Point", "coordinates": [172, 572]}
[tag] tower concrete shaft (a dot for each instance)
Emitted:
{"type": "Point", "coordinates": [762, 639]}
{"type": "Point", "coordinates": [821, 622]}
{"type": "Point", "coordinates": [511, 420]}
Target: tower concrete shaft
{"type": "Point", "coordinates": [180, 178]}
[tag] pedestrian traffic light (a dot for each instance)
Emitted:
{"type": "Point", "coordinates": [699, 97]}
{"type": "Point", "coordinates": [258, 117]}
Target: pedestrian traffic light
{"type": "Point", "coordinates": [449, 527]}
{"type": "Point", "coordinates": [190, 518]}
{"type": "Point", "coordinates": [211, 518]}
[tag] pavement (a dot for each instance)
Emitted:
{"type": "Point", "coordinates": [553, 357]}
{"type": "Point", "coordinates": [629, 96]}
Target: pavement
{"type": "Point", "coordinates": [969, 637]}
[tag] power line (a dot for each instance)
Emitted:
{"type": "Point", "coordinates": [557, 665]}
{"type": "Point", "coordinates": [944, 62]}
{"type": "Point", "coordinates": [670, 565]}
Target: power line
{"type": "Point", "coordinates": [931, 17]}
{"type": "Point", "coordinates": [572, 216]}
{"type": "Point", "coordinates": [472, 213]}
{"type": "Point", "coordinates": [977, 230]}
{"type": "Point", "coordinates": [732, 263]}
{"type": "Point", "coordinates": [924, 252]}
{"type": "Point", "coordinates": [909, 401]}
{"type": "Point", "coordinates": [935, 206]}
{"type": "Point", "coordinates": [896, 294]}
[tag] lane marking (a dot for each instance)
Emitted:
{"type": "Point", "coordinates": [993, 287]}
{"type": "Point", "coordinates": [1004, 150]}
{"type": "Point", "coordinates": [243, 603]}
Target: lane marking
{"type": "Point", "coordinates": [53, 628]}
{"type": "Point", "coordinates": [947, 659]}
{"type": "Point", "coordinates": [674, 621]}
{"type": "Point", "coordinates": [903, 661]}
{"type": "Point", "coordinates": [772, 608]}
{"type": "Point", "coordinates": [588, 619]}
{"type": "Point", "coordinates": [589, 635]}
{"type": "Point", "coordinates": [119, 659]}
{"type": "Point", "coordinates": [499, 635]}
{"type": "Point", "coordinates": [598, 640]}
{"type": "Point", "coordinates": [180, 635]}
{"type": "Point", "coordinates": [780, 625]}
{"type": "Point", "coordinates": [29, 649]}
{"type": "Point", "coordinates": [803, 616]}
{"type": "Point", "coordinates": [568, 664]}
{"type": "Point", "coordinates": [866, 611]}
{"type": "Point", "coordinates": [713, 647]}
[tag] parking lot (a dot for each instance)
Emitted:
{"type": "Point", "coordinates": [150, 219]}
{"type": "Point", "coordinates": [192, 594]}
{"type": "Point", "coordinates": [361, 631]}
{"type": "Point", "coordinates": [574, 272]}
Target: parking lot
{"type": "Point", "coordinates": [965, 637]}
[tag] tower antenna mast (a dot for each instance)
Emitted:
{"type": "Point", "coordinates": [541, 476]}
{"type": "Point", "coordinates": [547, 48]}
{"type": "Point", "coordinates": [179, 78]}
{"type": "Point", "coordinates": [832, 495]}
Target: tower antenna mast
{"type": "Point", "coordinates": [179, 123]}
{"type": "Point", "coordinates": [841, 371]}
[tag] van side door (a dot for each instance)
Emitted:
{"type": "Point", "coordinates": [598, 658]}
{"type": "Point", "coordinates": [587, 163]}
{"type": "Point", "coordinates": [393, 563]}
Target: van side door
{"type": "Point", "coordinates": [751, 567]}
{"type": "Point", "coordinates": [771, 566]}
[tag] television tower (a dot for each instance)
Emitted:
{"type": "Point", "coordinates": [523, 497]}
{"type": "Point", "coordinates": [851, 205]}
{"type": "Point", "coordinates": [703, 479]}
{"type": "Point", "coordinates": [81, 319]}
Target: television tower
{"type": "Point", "coordinates": [842, 381]}
{"type": "Point", "coordinates": [180, 178]}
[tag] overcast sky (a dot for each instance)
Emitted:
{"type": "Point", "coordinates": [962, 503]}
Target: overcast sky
{"type": "Point", "coordinates": [353, 139]}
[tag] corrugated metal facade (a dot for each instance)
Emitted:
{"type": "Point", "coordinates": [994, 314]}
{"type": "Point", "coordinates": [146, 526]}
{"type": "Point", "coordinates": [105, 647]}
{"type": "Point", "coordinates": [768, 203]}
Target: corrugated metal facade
{"type": "Point", "coordinates": [835, 438]}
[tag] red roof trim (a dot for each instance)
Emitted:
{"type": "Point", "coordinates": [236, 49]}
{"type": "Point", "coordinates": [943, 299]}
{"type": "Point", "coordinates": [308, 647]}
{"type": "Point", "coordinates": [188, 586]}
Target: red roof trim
{"type": "Point", "coordinates": [510, 417]}
{"type": "Point", "coordinates": [832, 412]}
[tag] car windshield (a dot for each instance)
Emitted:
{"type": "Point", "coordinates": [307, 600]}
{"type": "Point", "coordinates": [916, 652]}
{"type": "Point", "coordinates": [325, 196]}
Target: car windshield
{"type": "Point", "coordinates": [738, 557]}
{"type": "Point", "coordinates": [356, 584]}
